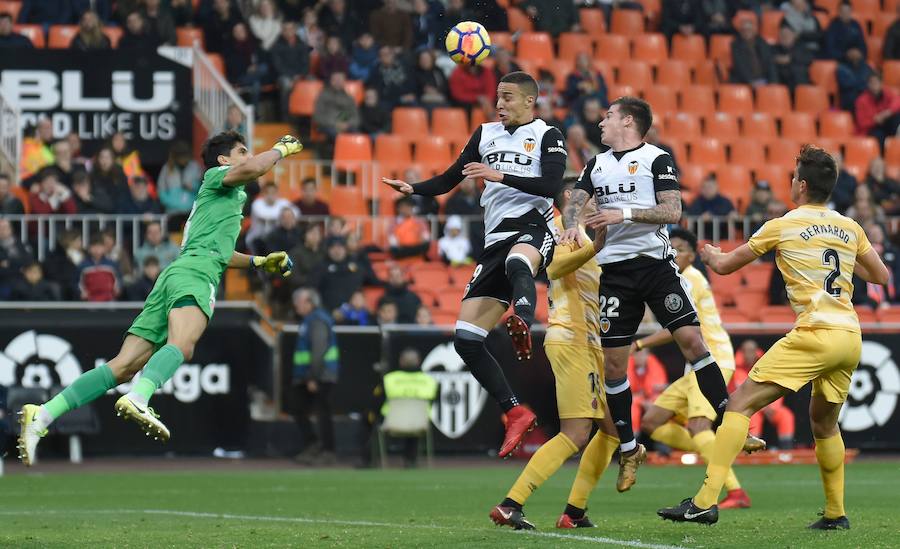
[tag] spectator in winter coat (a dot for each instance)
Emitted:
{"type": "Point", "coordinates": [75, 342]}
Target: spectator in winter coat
{"type": "Point", "coordinates": [156, 244]}
{"type": "Point", "coordinates": [792, 60]}
{"type": "Point", "coordinates": [891, 49]}
{"type": "Point", "coordinates": [752, 57]}
{"type": "Point", "coordinates": [49, 196]}
{"type": "Point", "coordinates": [32, 286]}
{"type": "Point", "coordinates": [473, 86]}
{"type": "Point", "coordinates": [393, 79]}
{"type": "Point", "coordinates": [179, 180]}
{"type": "Point", "coordinates": [141, 288]}
{"type": "Point", "coordinates": [90, 35]}
{"type": "Point", "coordinates": [290, 62]}
{"type": "Point", "coordinates": [391, 27]}
{"type": "Point", "coordinates": [98, 275]}
{"type": "Point", "coordinates": [454, 247]}
{"type": "Point", "coordinates": [397, 291]}
{"type": "Point", "coordinates": [844, 33]}
{"type": "Point", "coordinates": [877, 110]}
{"type": "Point", "coordinates": [335, 110]}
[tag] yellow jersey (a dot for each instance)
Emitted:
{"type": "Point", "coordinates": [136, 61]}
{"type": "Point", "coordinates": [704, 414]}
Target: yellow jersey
{"type": "Point", "coordinates": [574, 316]}
{"type": "Point", "coordinates": [714, 334]}
{"type": "Point", "coordinates": [816, 250]}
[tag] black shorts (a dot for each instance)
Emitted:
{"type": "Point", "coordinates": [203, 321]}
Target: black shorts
{"type": "Point", "coordinates": [489, 278]}
{"type": "Point", "coordinates": [627, 285]}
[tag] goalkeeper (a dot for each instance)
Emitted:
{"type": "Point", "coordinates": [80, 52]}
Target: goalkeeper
{"type": "Point", "coordinates": [181, 304]}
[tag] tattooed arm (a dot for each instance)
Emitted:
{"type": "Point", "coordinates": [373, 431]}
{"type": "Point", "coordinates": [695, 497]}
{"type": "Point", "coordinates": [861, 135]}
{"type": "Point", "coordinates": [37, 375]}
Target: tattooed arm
{"type": "Point", "coordinates": [666, 211]}
{"type": "Point", "coordinates": [573, 208]}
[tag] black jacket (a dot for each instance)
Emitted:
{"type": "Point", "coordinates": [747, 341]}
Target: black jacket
{"type": "Point", "coordinates": [742, 70]}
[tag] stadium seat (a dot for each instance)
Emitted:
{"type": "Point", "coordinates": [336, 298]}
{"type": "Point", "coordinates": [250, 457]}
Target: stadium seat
{"type": "Point", "coordinates": [35, 33]}
{"type": "Point", "coordinates": [613, 49]}
{"type": "Point", "coordinates": [747, 152]}
{"type": "Point", "coordinates": [697, 100]}
{"type": "Point", "coordinates": [351, 148]}
{"type": "Point", "coordinates": [859, 152]}
{"type": "Point", "coordinates": [573, 43]}
{"type": "Point", "coordinates": [356, 90]}
{"type": "Point", "coordinates": [392, 153]}
{"type": "Point", "coordinates": [866, 9]}
{"type": "Point", "coordinates": [592, 21]}
{"type": "Point", "coordinates": [750, 303]}
{"type": "Point", "coordinates": [771, 21]}
{"type": "Point", "coordinates": [503, 40]}
{"type": "Point", "coordinates": [605, 69]}
{"type": "Point", "coordinates": [782, 151]}
{"type": "Point", "coordinates": [691, 49]}
{"type": "Point", "coordinates": [720, 48]}
{"type": "Point", "coordinates": [560, 69]}
{"type": "Point", "coordinates": [891, 73]}
{"type": "Point", "coordinates": [833, 146]}
{"type": "Point", "coordinates": [347, 201]}
{"type": "Point", "coordinates": [410, 122]}
{"type": "Point", "coordinates": [875, 45]}
{"type": "Point", "coordinates": [892, 151]}
{"type": "Point", "coordinates": [451, 123]}
{"type": "Point", "coordinates": [758, 125]}
{"type": "Point", "coordinates": [734, 183]}
{"type": "Point", "coordinates": [674, 73]}
{"type": "Point", "coordinates": [186, 35]}
{"type": "Point", "coordinates": [756, 275]}
{"type": "Point", "coordinates": [732, 316]}
{"type": "Point", "coordinates": [721, 125]}
{"type": "Point", "coordinates": [706, 73]}
{"type": "Point", "coordinates": [518, 21]}
{"type": "Point", "coordinates": [303, 97]}
{"type": "Point", "coordinates": [889, 315]}
{"type": "Point", "coordinates": [779, 178]}
{"type": "Point", "coordinates": [777, 314]}
{"type": "Point", "coordinates": [881, 24]}
{"type": "Point", "coordinates": [774, 99]}
{"type": "Point", "coordinates": [636, 74]}
{"type": "Point", "coordinates": [449, 300]}
{"type": "Point", "coordinates": [799, 126]}
{"type": "Point", "coordinates": [830, 6]}
{"type": "Point", "coordinates": [536, 47]}
{"type": "Point", "coordinates": [372, 295]}
{"type": "Point", "coordinates": [114, 34]}
{"type": "Point", "coordinates": [662, 99]}
{"type": "Point", "coordinates": [436, 279]}
{"type": "Point", "coordinates": [460, 276]}
{"type": "Point", "coordinates": [621, 90]}
{"type": "Point", "coordinates": [691, 175]}
{"type": "Point", "coordinates": [865, 314]}
{"type": "Point", "coordinates": [432, 153]}
{"type": "Point", "coordinates": [836, 124]}
{"type": "Point", "coordinates": [811, 99]}
{"type": "Point", "coordinates": [12, 7]}
{"type": "Point", "coordinates": [707, 151]}
{"type": "Point", "coordinates": [735, 99]}
{"type": "Point", "coordinates": [626, 22]}
{"type": "Point", "coordinates": [683, 126]}
{"type": "Point", "coordinates": [60, 36]}
{"type": "Point", "coordinates": [650, 48]}
{"type": "Point", "coordinates": [822, 72]}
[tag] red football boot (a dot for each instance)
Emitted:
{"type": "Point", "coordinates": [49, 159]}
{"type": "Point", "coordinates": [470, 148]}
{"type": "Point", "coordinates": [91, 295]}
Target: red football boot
{"type": "Point", "coordinates": [736, 499]}
{"type": "Point", "coordinates": [521, 336]}
{"type": "Point", "coordinates": [519, 420]}
{"type": "Point", "coordinates": [565, 522]}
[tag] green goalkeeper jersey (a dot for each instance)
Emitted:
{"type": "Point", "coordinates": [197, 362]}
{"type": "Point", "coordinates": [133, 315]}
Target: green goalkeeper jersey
{"type": "Point", "coordinates": [215, 220]}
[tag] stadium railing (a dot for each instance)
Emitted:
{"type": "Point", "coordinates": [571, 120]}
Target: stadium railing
{"type": "Point", "coordinates": [213, 96]}
{"type": "Point", "coordinates": [10, 136]}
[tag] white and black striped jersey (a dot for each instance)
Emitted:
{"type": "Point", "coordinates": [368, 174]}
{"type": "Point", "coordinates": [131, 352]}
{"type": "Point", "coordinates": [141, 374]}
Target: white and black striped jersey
{"type": "Point", "coordinates": [631, 179]}
{"type": "Point", "coordinates": [532, 158]}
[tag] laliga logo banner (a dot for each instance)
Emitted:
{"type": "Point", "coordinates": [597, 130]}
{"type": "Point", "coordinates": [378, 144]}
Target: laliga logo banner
{"type": "Point", "coordinates": [460, 398]}
{"type": "Point", "coordinates": [147, 98]}
{"type": "Point", "coordinates": [873, 390]}
{"type": "Point", "coordinates": [42, 359]}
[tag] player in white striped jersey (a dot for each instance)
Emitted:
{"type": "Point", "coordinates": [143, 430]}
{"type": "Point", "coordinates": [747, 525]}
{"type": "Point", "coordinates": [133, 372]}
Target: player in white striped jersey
{"type": "Point", "coordinates": [522, 161]}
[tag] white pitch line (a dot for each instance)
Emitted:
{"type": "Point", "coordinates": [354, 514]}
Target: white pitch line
{"type": "Point", "coordinates": [305, 520]}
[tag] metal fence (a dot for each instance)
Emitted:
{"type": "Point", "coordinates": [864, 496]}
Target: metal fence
{"type": "Point", "coordinates": [10, 135]}
{"type": "Point", "coordinates": [213, 96]}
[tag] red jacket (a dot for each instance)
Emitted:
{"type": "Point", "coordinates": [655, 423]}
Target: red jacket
{"type": "Point", "coordinates": [867, 106]}
{"type": "Point", "coordinates": [650, 382]}
{"type": "Point", "coordinates": [466, 87]}
{"type": "Point", "coordinates": [39, 205]}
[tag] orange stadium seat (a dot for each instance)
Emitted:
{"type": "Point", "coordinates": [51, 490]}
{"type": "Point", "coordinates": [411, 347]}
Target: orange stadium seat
{"type": "Point", "coordinates": [721, 125]}
{"type": "Point", "coordinates": [750, 303]}
{"type": "Point", "coordinates": [356, 90]}
{"type": "Point", "coordinates": [774, 99]}
{"type": "Point", "coordinates": [518, 21]}
{"type": "Point", "coordinates": [434, 278]}
{"type": "Point", "coordinates": [720, 47]}
{"type": "Point", "coordinates": [35, 33]}
{"type": "Point", "coordinates": [218, 64]}
{"type": "Point", "coordinates": [186, 35]}
{"type": "Point", "coordinates": [799, 126]}
{"type": "Point", "coordinates": [11, 7]}
{"type": "Point", "coordinates": [706, 73]}
{"type": "Point", "coordinates": [573, 43]}
{"type": "Point", "coordinates": [782, 151]}
{"type": "Point", "coordinates": [758, 125]}
{"type": "Point", "coordinates": [460, 276]}
{"type": "Point", "coordinates": [747, 152]}
{"type": "Point", "coordinates": [410, 122]}
{"type": "Point", "coordinates": [691, 49]}
{"type": "Point", "coordinates": [892, 151]}
{"type": "Point", "coordinates": [451, 123]}
{"type": "Point", "coordinates": [866, 9]}
{"type": "Point", "coordinates": [734, 183]}
{"type": "Point", "coordinates": [683, 126]}
{"type": "Point", "coordinates": [60, 36]}
{"type": "Point", "coordinates": [811, 99]}
{"type": "Point", "coordinates": [604, 68]}
{"type": "Point", "coordinates": [875, 45]}
{"type": "Point", "coordinates": [830, 6]}
{"type": "Point", "coordinates": [890, 315]}
{"type": "Point", "coordinates": [662, 100]}
{"type": "Point", "coordinates": [779, 178]}
{"type": "Point", "coordinates": [561, 69]}
{"type": "Point", "coordinates": [372, 294]}
{"type": "Point", "coordinates": [592, 21]}
{"type": "Point", "coordinates": [707, 150]}
{"type": "Point", "coordinates": [881, 24]}
{"type": "Point", "coordinates": [674, 73]}
{"type": "Point", "coordinates": [757, 274]}
{"type": "Point", "coordinates": [833, 146]}
{"type": "Point", "coordinates": [735, 98]}
{"type": "Point", "coordinates": [697, 100]}
{"type": "Point", "coordinates": [503, 40]}
{"type": "Point", "coordinates": [771, 21]}
{"type": "Point", "coordinates": [836, 124]}
{"type": "Point", "coordinates": [865, 314]}
{"type": "Point", "coordinates": [859, 151]}
{"type": "Point", "coordinates": [627, 22]}
{"type": "Point", "coordinates": [823, 72]}
{"type": "Point", "coordinates": [433, 153]}
{"type": "Point", "coordinates": [777, 314]}
{"type": "Point", "coordinates": [303, 97]}
{"type": "Point", "coordinates": [392, 153]}
{"type": "Point", "coordinates": [352, 148]}
{"type": "Point", "coordinates": [114, 34]}
{"type": "Point", "coordinates": [891, 73]}
{"type": "Point", "coordinates": [347, 201]}
{"type": "Point", "coordinates": [650, 48]}
{"type": "Point", "coordinates": [691, 175]}
{"type": "Point", "coordinates": [732, 316]}
{"type": "Point", "coordinates": [536, 47]}
{"type": "Point", "coordinates": [621, 90]}
{"type": "Point", "coordinates": [613, 49]}
{"type": "Point", "coordinates": [636, 74]}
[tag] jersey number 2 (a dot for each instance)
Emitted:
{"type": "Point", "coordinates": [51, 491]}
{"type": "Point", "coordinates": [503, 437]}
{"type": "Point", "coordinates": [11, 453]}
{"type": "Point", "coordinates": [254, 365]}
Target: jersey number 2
{"type": "Point", "coordinates": [613, 310]}
{"type": "Point", "coordinates": [831, 259]}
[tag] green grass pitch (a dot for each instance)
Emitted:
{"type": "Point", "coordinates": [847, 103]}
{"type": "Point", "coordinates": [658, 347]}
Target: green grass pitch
{"type": "Point", "coordinates": [444, 507]}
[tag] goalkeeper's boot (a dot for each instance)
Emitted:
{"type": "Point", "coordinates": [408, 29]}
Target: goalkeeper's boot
{"type": "Point", "coordinates": [628, 466]}
{"type": "Point", "coordinates": [754, 444]}
{"type": "Point", "coordinates": [519, 420]}
{"type": "Point", "coordinates": [735, 499]}
{"type": "Point", "coordinates": [521, 336]}
{"type": "Point", "coordinates": [510, 516]}
{"type": "Point", "coordinates": [824, 523]}
{"type": "Point", "coordinates": [144, 416]}
{"type": "Point", "coordinates": [686, 511]}
{"type": "Point", "coordinates": [29, 434]}
{"type": "Point", "coordinates": [565, 521]}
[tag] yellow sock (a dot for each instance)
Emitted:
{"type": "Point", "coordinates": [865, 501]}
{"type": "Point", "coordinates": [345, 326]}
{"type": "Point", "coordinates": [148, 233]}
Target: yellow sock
{"type": "Point", "coordinates": [594, 460]}
{"type": "Point", "coordinates": [830, 455]}
{"type": "Point", "coordinates": [546, 461]}
{"type": "Point", "coordinates": [704, 441]}
{"type": "Point", "coordinates": [673, 436]}
{"type": "Point", "coordinates": [729, 441]}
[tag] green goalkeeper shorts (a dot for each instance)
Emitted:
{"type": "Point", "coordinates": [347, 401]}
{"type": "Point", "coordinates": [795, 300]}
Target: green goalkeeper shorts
{"type": "Point", "coordinates": [188, 281]}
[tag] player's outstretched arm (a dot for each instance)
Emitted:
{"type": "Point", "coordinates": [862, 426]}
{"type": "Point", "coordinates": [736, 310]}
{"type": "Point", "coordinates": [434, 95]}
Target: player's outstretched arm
{"type": "Point", "coordinates": [260, 164]}
{"type": "Point", "coordinates": [871, 268]}
{"type": "Point", "coordinates": [570, 214]}
{"type": "Point", "coordinates": [653, 340]}
{"type": "Point", "coordinates": [445, 182]}
{"type": "Point", "coordinates": [275, 262]}
{"type": "Point", "coordinates": [569, 258]}
{"type": "Point", "coordinates": [722, 263]}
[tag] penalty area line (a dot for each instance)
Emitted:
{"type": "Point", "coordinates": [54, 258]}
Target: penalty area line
{"type": "Point", "coordinates": [305, 520]}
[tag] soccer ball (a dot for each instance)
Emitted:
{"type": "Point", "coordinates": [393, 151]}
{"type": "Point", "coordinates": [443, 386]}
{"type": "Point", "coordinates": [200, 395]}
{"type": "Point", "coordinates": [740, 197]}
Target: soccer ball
{"type": "Point", "coordinates": [468, 43]}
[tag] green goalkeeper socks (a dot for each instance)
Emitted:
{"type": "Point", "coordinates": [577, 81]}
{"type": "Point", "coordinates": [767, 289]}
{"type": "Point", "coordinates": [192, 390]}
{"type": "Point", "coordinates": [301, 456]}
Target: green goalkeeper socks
{"type": "Point", "coordinates": [88, 387]}
{"type": "Point", "coordinates": [160, 368]}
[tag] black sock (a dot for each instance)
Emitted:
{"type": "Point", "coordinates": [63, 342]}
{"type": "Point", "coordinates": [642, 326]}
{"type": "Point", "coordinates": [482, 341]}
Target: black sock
{"type": "Point", "coordinates": [524, 295]}
{"type": "Point", "coordinates": [712, 384]}
{"type": "Point", "coordinates": [618, 396]}
{"type": "Point", "coordinates": [511, 503]}
{"type": "Point", "coordinates": [470, 346]}
{"type": "Point", "coordinates": [574, 512]}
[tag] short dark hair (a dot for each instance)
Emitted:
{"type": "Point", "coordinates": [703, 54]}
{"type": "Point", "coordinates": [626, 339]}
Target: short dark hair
{"type": "Point", "coordinates": [151, 260]}
{"type": "Point", "coordinates": [220, 144]}
{"type": "Point", "coordinates": [5, 176]}
{"type": "Point", "coordinates": [525, 81]}
{"type": "Point", "coordinates": [686, 235]}
{"type": "Point", "coordinates": [96, 240]}
{"type": "Point", "coordinates": [819, 170]}
{"type": "Point", "coordinates": [638, 109]}
{"type": "Point", "coordinates": [560, 198]}
{"type": "Point", "coordinates": [6, 15]}
{"type": "Point", "coordinates": [309, 180]}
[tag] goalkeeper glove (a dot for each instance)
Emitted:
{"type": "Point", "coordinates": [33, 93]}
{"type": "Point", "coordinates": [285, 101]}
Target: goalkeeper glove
{"type": "Point", "coordinates": [288, 145]}
{"type": "Point", "coordinates": [275, 262]}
